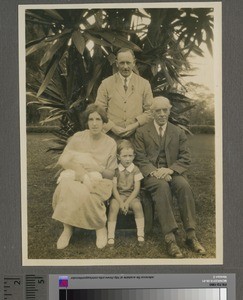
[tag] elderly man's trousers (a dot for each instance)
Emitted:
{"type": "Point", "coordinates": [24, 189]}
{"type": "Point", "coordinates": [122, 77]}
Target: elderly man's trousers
{"type": "Point", "coordinates": [162, 191]}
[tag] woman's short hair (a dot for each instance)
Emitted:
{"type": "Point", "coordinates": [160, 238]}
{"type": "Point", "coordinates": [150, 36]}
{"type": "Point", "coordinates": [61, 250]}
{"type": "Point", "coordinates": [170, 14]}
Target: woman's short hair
{"type": "Point", "coordinates": [91, 108]}
{"type": "Point", "coordinates": [124, 144]}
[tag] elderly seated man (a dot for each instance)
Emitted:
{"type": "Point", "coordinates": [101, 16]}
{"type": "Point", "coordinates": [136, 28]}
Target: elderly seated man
{"type": "Point", "coordinates": [163, 157]}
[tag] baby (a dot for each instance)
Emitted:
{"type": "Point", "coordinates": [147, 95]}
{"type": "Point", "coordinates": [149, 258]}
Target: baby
{"type": "Point", "coordinates": [82, 159]}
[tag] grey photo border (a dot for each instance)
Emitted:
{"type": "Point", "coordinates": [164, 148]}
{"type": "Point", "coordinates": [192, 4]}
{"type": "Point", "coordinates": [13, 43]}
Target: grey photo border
{"type": "Point", "coordinates": [10, 221]}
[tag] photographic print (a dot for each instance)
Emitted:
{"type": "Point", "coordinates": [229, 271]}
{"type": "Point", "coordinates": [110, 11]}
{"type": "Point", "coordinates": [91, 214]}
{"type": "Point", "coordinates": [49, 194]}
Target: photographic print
{"type": "Point", "coordinates": [121, 134]}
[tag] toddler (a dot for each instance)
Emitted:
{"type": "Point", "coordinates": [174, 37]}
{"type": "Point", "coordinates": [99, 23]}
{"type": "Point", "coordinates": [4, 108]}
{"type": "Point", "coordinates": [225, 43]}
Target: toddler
{"type": "Point", "coordinates": [126, 186]}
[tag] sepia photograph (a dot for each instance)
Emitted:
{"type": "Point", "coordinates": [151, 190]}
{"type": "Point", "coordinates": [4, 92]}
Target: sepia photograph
{"type": "Point", "coordinates": [121, 134]}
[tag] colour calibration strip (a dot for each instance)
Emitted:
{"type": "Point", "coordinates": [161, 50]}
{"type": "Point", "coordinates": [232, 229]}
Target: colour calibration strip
{"type": "Point", "coordinates": [145, 294]}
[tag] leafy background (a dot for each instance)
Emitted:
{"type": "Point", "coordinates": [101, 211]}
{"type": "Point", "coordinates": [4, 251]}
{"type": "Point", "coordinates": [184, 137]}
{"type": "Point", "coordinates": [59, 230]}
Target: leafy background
{"type": "Point", "coordinates": [70, 51]}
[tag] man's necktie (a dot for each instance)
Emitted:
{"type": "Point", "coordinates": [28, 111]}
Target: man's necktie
{"type": "Point", "coordinates": [160, 132]}
{"type": "Point", "coordinates": [125, 84]}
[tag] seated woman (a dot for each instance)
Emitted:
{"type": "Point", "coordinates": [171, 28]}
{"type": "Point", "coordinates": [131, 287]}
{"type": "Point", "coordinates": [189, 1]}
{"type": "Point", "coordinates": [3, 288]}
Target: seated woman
{"type": "Point", "coordinates": [80, 193]}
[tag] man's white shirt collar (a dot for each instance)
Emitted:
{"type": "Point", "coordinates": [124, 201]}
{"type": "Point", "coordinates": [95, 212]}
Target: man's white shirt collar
{"type": "Point", "coordinates": [129, 169]}
{"type": "Point", "coordinates": [157, 127]}
{"type": "Point", "coordinates": [123, 78]}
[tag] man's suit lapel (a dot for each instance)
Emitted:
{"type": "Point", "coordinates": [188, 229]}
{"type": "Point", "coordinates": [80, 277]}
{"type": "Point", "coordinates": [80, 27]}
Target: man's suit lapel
{"type": "Point", "coordinates": [153, 133]}
{"type": "Point", "coordinates": [168, 135]}
{"type": "Point", "coordinates": [168, 138]}
{"type": "Point", "coordinates": [131, 85]}
{"type": "Point", "coordinates": [119, 85]}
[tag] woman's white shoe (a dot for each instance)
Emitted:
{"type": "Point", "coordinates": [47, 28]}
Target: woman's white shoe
{"type": "Point", "coordinates": [64, 238]}
{"type": "Point", "coordinates": [101, 237]}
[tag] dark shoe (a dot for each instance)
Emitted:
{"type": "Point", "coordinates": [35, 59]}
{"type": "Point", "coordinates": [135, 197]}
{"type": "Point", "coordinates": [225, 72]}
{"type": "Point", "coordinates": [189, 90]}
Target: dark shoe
{"type": "Point", "coordinates": [173, 250]}
{"type": "Point", "coordinates": [195, 246]}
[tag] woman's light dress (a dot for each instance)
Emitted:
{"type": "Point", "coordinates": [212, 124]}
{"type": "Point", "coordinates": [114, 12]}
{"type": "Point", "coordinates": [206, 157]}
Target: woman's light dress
{"type": "Point", "coordinates": [73, 202]}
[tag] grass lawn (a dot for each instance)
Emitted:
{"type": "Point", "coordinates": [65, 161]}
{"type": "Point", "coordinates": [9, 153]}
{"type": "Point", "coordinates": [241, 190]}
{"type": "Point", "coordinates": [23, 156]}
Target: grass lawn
{"type": "Point", "coordinates": [43, 231]}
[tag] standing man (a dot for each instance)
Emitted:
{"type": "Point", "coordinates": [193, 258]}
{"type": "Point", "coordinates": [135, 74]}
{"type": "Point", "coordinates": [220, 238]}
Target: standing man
{"type": "Point", "coordinates": [125, 96]}
{"type": "Point", "coordinates": [163, 156]}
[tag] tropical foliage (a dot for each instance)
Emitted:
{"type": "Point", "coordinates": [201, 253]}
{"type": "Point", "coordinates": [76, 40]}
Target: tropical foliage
{"type": "Point", "coordinates": [203, 112]}
{"type": "Point", "coordinates": [76, 50]}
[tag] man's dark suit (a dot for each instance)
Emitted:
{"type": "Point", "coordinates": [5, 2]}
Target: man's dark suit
{"type": "Point", "coordinates": [147, 146]}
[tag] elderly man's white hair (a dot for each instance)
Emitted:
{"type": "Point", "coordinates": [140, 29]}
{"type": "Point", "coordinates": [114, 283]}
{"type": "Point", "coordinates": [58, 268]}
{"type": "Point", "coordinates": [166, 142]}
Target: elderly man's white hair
{"type": "Point", "coordinates": [160, 100]}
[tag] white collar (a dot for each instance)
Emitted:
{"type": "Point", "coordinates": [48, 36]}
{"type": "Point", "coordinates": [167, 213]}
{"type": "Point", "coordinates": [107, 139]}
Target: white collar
{"type": "Point", "coordinates": [123, 78]}
{"type": "Point", "coordinates": [129, 169]}
{"type": "Point", "coordinates": [157, 127]}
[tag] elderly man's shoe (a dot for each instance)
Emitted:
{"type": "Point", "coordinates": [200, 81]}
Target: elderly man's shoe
{"type": "Point", "coordinates": [195, 246]}
{"type": "Point", "coordinates": [174, 250]}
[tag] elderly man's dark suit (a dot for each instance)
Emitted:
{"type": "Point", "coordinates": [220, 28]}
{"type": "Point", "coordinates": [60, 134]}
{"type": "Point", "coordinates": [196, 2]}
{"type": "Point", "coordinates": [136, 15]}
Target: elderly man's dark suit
{"type": "Point", "coordinates": [176, 157]}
